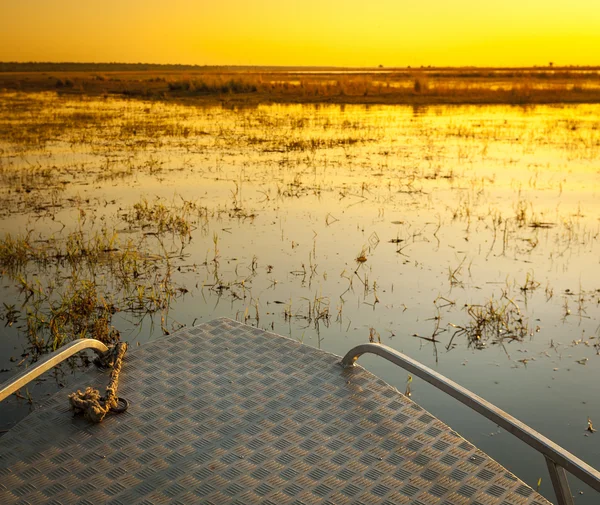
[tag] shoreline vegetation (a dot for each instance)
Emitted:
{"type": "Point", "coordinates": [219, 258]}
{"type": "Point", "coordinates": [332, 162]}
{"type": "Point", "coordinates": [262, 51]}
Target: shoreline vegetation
{"type": "Point", "coordinates": [256, 85]}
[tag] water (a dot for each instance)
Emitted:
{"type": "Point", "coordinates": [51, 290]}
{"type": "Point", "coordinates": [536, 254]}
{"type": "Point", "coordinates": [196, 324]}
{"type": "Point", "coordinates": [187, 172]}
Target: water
{"type": "Point", "coordinates": [458, 211]}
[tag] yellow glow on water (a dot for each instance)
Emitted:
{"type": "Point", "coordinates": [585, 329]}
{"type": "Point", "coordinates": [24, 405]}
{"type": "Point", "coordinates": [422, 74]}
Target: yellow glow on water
{"type": "Point", "coordinates": [308, 32]}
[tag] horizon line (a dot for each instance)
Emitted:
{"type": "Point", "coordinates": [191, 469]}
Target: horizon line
{"type": "Point", "coordinates": [548, 66]}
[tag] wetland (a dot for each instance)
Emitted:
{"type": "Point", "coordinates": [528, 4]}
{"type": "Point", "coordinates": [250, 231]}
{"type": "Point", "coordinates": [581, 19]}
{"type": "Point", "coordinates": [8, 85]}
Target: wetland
{"type": "Point", "coordinates": [464, 235]}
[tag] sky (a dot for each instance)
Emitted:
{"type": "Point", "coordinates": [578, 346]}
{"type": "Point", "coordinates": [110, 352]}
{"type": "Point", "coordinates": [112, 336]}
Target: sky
{"type": "Point", "coordinates": [303, 32]}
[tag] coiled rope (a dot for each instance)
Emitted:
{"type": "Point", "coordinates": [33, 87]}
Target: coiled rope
{"type": "Point", "coordinates": [89, 402]}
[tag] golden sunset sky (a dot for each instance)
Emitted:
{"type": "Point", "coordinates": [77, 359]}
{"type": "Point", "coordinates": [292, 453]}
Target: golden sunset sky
{"type": "Point", "coordinates": [303, 32]}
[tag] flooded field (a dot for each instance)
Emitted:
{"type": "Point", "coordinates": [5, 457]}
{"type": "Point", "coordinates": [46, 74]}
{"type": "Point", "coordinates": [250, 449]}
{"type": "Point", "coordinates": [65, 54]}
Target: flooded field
{"type": "Point", "coordinates": [464, 236]}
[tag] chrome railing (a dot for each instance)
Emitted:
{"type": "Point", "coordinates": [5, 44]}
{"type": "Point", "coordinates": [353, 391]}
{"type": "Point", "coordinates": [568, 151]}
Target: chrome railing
{"type": "Point", "coordinates": [557, 459]}
{"type": "Point", "coordinates": [17, 382]}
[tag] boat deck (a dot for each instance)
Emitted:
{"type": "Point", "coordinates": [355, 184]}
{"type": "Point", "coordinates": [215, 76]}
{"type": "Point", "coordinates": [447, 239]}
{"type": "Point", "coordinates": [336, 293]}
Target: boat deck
{"type": "Point", "coordinates": [224, 413]}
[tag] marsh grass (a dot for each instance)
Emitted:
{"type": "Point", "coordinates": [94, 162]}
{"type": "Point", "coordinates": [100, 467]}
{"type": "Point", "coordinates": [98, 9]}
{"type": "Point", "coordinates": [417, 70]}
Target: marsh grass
{"type": "Point", "coordinates": [494, 322]}
{"type": "Point", "coordinates": [72, 285]}
{"type": "Point", "coordinates": [162, 217]}
{"type": "Point", "coordinates": [216, 84]}
{"type": "Point", "coordinates": [284, 156]}
{"type": "Point", "coordinates": [55, 317]}
{"type": "Point", "coordinates": [423, 85]}
{"type": "Point", "coordinates": [419, 87]}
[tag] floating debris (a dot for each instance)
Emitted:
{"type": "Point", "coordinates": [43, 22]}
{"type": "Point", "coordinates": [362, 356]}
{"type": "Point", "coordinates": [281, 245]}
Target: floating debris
{"type": "Point", "coordinates": [374, 336]}
{"type": "Point", "coordinates": [541, 224]}
{"type": "Point", "coordinates": [590, 427]}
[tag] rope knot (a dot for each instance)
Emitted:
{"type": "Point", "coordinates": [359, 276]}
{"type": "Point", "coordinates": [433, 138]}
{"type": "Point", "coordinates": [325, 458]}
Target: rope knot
{"type": "Point", "coordinates": [89, 402]}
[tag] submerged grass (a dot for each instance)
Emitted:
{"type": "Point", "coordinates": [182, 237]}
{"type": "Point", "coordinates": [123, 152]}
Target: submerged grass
{"type": "Point", "coordinates": [494, 322]}
{"type": "Point", "coordinates": [72, 285]}
{"type": "Point", "coordinates": [162, 217]}
{"type": "Point", "coordinates": [260, 162]}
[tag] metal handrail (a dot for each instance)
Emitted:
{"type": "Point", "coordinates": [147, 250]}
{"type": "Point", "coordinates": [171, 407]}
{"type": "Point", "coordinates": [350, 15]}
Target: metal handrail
{"type": "Point", "coordinates": [557, 458]}
{"type": "Point", "coordinates": [17, 382]}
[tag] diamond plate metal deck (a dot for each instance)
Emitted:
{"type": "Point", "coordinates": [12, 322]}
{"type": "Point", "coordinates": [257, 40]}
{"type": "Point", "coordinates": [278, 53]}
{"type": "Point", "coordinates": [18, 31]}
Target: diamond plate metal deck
{"type": "Point", "coordinates": [225, 413]}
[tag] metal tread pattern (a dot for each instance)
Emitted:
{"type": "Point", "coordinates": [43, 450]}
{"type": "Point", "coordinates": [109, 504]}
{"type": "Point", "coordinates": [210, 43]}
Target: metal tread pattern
{"type": "Point", "coordinates": [224, 413]}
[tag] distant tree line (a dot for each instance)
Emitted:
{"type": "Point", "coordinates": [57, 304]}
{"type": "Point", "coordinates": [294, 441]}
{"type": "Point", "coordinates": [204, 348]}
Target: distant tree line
{"type": "Point", "coordinates": [35, 66]}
